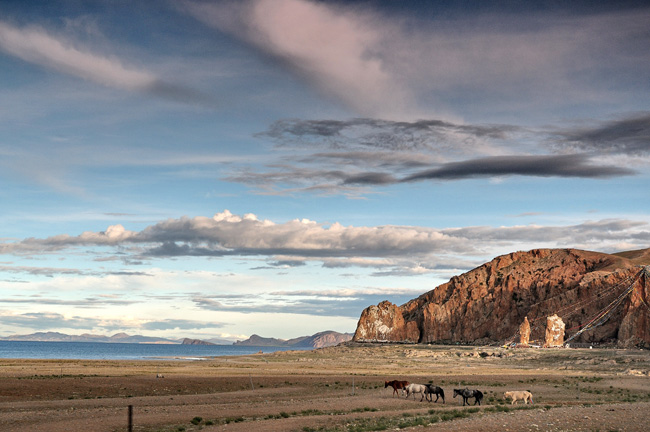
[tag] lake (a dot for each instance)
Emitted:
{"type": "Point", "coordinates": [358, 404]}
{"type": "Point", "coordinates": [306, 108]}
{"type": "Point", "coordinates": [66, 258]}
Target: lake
{"type": "Point", "coordinates": [123, 351]}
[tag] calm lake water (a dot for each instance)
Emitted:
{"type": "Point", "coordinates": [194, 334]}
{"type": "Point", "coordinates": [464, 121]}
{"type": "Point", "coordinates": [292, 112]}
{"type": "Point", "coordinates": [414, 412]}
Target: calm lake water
{"type": "Point", "coordinates": [122, 351]}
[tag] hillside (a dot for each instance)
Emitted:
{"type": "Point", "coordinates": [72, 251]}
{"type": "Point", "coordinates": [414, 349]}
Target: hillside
{"type": "Point", "coordinates": [488, 304]}
{"type": "Point", "coordinates": [319, 340]}
{"type": "Point", "coordinates": [62, 337]}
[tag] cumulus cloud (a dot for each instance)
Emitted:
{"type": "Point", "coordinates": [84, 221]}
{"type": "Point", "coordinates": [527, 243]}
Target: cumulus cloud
{"type": "Point", "coordinates": [114, 235]}
{"type": "Point", "coordinates": [35, 45]}
{"type": "Point", "coordinates": [391, 249]}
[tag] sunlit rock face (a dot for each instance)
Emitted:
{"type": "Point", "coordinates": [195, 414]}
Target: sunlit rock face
{"type": "Point", "coordinates": [385, 323]}
{"type": "Point", "coordinates": [489, 303]}
{"type": "Point", "coordinates": [554, 336]}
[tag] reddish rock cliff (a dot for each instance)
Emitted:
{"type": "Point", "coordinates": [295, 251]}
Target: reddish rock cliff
{"type": "Point", "coordinates": [489, 303]}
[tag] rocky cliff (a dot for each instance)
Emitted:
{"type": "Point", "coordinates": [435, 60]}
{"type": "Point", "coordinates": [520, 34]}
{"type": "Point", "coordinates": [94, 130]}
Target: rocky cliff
{"type": "Point", "coordinates": [488, 304]}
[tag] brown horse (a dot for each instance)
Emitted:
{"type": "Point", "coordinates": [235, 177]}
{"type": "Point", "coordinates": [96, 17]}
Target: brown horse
{"type": "Point", "coordinates": [396, 385]}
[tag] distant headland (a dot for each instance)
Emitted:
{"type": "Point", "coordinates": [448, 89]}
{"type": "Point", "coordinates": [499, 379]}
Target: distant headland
{"type": "Point", "coordinates": [318, 340]}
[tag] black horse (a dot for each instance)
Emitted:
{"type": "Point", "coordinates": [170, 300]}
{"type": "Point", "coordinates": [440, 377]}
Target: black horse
{"type": "Point", "coordinates": [435, 390]}
{"type": "Point", "coordinates": [466, 394]}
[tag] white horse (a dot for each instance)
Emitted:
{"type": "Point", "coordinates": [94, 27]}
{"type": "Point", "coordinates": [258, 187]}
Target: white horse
{"type": "Point", "coordinates": [416, 388]}
{"type": "Point", "coordinates": [525, 396]}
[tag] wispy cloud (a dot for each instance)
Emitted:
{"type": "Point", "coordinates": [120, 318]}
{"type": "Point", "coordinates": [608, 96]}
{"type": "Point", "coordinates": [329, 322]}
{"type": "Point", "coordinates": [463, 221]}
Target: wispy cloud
{"type": "Point", "coordinates": [574, 165]}
{"type": "Point", "coordinates": [90, 302]}
{"type": "Point", "coordinates": [48, 320]}
{"type": "Point", "coordinates": [390, 65]}
{"type": "Point", "coordinates": [628, 135]}
{"type": "Point", "coordinates": [37, 321]}
{"type": "Point", "coordinates": [332, 303]}
{"type": "Point", "coordinates": [336, 49]}
{"type": "Point", "coordinates": [353, 157]}
{"type": "Point", "coordinates": [55, 271]}
{"type": "Point", "coordinates": [36, 45]}
{"type": "Point", "coordinates": [180, 324]}
{"type": "Point", "coordinates": [378, 134]}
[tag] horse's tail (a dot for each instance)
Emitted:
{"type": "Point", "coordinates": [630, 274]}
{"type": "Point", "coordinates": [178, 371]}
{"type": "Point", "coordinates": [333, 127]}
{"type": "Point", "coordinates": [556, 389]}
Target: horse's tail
{"type": "Point", "coordinates": [531, 399]}
{"type": "Point", "coordinates": [442, 393]}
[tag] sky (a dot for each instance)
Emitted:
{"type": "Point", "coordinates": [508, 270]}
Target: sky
{"type": "Point", "coordinates": [217, 169]}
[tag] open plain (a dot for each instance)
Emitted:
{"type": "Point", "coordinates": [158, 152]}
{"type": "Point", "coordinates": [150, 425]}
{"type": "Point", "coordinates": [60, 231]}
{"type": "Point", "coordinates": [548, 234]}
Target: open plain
{"type": "Point", "coordinates": [332, 389]}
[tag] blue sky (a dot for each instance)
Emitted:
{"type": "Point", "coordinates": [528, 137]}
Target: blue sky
{"type": "Point", "coordinates": [222, 168]}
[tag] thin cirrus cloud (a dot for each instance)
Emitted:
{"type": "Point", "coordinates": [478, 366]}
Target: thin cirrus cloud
{"type": "Point", "coordinates": [172, 324]}
{"type": "Point", "coordinates": [390, 66]}
{"type": "Point", "coordinates": [37, 46]}
{"type": "Point", "coordinates": [331, 305]}
{"type": "Point", "coordinates": [335, 49]}
{"type": "Point", "coordinates": [90, 303]}
{"type": "Point", "coordinates": [49, 320]}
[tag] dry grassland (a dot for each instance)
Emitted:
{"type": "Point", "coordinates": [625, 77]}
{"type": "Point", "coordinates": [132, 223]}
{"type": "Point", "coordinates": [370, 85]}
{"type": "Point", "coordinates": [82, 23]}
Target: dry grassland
{"type": "Point", "coordinates": [332, 389]}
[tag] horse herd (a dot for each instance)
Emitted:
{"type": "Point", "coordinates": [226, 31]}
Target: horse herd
{"type": "Point", "coordinates": [428, 390]}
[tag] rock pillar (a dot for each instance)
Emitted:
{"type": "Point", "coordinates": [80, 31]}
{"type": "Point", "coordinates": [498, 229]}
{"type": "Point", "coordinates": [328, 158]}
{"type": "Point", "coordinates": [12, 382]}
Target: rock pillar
{"type": "Point", "coordinates": [524, 332]}
{"type": "Point", "coordinates": [554, 332]}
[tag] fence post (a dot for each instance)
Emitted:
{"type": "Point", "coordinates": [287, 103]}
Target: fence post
{"type": "Point", "coordinates": [130, 418]}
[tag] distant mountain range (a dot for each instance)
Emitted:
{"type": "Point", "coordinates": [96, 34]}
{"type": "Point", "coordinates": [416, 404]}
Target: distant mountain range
{"type": "Point", "coordinates": [318, 340]}
{"type": "Point", "coordinates": [86, 337]}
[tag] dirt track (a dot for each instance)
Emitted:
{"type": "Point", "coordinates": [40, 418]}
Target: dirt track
{"type": "Point", "coordinates": [586, 390]}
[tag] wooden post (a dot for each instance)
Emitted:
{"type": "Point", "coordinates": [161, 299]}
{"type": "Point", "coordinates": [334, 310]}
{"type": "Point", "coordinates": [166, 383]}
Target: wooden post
{"type": "Point", "coordinates": [130, 418]}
